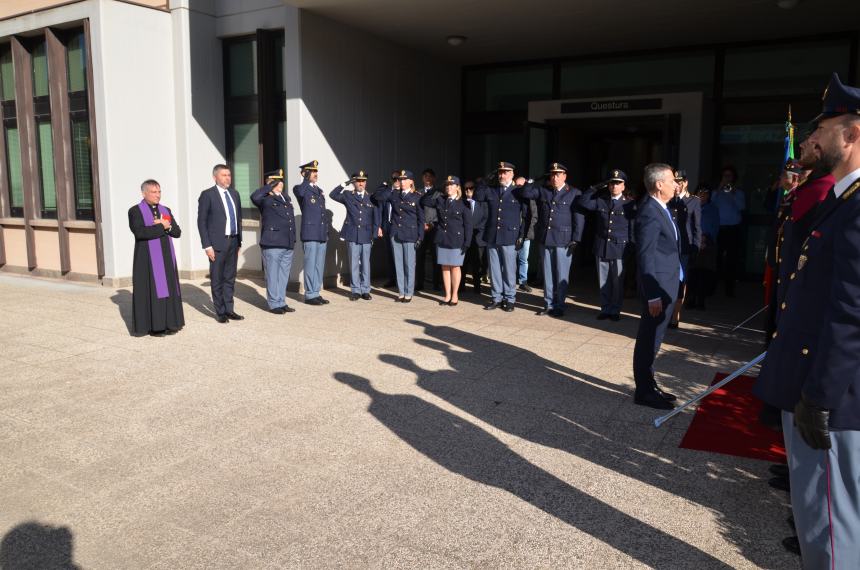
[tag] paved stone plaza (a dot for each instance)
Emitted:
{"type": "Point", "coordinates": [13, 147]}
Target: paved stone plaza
{"type": "Point", "coordinates": [363, 434]}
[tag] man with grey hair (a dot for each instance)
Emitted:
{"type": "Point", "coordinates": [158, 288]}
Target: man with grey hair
{"type": "Point", "coordinates": [659, 273]}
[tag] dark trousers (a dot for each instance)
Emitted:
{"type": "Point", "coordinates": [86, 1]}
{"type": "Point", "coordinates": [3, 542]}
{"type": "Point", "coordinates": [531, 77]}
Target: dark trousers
{"type": "Point", "coordinates": [427, 246]}
{"type": "Point", "coordinates": [222, 275]}
{"type": "Point", "coordinates": [728, 252]}
{"type": "Point", "coordinates": [648, 340]}
{"type": "Point", "coordinates": [475, 264]}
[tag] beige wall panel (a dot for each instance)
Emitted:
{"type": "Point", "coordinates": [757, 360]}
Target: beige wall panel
{"type": "Point", "coordinates": [47, 248]}
{"type": "Point", "coordinates": [82, 251]}
{"type": "Point", "coordinates": [10, 8]}
{"type": "Point", "coordinates": [16, 246]}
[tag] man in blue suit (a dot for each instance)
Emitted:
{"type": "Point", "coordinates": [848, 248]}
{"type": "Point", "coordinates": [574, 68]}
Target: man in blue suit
{"type": "Point", "coordinates": [314, 231]}
{"type": "Point", "coordinates": [359, 229]}
{"type": "Point", "coordinates": [658, 261]}
{"type": "Point", "coordinates": [812, 368]}
{"type": "Point", "coordinates": [219, 222]}
{"type": "Point", "coordinates": [277, 239]}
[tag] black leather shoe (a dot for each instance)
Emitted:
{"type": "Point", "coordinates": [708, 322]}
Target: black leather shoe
{"type": "Point", "coordinates": [453, 303]}
{"type": "Point", "coordinates": [287, 309]}
{"type": "Point", "coordinates": [508, 307]}
{"type": "Point", "coordinates": [444, 303]}
{"type": "Point", "coordinates": [792, 544]}
{"type": "Point", "coordinates": [406, 300]}
{"type": "Point", "coordinates": [277, 311]}
{"type": "Point", "coordinates": [780, 483]}
{"type": "Point", "coordinates": [665, 395]}
{"type": "Point", "coordinates": [354, 296]}
{"type": "Point", "coordinates": [779, 469]}
{"type": "Point", "coordinates": [602, 317]}
{"type": "Point", "coordinates": [235, 316]}
{"type": "Point", "coordinates": [493, 305]}
{"type": "Point", "coordinates": [222, 319]}
{"type": "Point", "coordinates": [366, 296]}
{"type": "Point", "coordinates": [323, 301]}
{"type": "Point", "coordinates": [314, 301]}
{"type": "Point", "coordinates": [544, 311]}
{"type": "Point", "coordinates": [652, 400]}
{"type": "Point", "coordinates": [557, 313]}
{"type": "Point", "coordinates": [524, 288]}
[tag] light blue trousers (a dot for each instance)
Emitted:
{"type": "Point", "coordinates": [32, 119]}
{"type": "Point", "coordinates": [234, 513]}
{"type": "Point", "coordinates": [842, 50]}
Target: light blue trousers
{"type": "Point", "coordinates": [503, 272]}
{"type": "Point", "coordinates": [611, 279]}
{"type": "Point", "coordinates": [314, 267]}
{"type": "Point", "coordinates": [556, 273]}
{"type": "Point", "coordinates": [825, 486]}
{"type": "Point", "coordinates": [277, 262]}
{"type": "Point", "coordinates": [359, 268]}
{"type": "Point", "coordinates": [404, 265]}
{"type": "Point", "coordinates": [523, 262]}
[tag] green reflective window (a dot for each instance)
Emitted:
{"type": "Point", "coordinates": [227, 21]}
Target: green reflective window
{"type": "Point", "coordinates": [507, 88]}
{"type": "Point", "coordinates": [76, 60]}
{"type": "Point", "coordinates": [7, 74]}
{"type": "Point", "coordinates": [787, 69]}
{"type": "Point", "coordinates": [40, 70]}
{"type": "Point", "coordinates": [246, 160]}
{"type": "Point", "coordinates": [81, 162]}
{"type": "Point", "coordinates": [46, 168]}
{"type": "Point", "coordinates": [242, 68]}
{"type": "Point", "coordinates": [13, 162]}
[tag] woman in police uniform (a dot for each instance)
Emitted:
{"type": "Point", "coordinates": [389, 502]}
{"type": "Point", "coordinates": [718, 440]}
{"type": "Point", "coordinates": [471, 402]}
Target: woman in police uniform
{"type": "Point", "coordinates": [407, 230]}
{"type": "Point", "coordinates": [453, 235]}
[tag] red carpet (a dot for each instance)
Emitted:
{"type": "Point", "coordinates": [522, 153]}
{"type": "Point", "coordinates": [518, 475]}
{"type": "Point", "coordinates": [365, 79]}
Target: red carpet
{"type": "Point", "coordinates": [727, 422]}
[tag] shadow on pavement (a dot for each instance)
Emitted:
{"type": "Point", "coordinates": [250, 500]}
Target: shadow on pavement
{"type": "Point", "coordinates": [35, 546]}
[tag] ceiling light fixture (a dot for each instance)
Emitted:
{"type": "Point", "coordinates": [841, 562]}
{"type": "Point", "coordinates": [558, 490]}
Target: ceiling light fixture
{"type": "Point", "coordinates": [456, 40]}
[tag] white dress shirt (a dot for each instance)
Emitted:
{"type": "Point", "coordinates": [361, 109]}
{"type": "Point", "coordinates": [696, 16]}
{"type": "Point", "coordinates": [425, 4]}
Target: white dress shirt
{"type": "Point", "coordinates": [845, 182]}
{"type": "Point", "coordinates": [225, 196]}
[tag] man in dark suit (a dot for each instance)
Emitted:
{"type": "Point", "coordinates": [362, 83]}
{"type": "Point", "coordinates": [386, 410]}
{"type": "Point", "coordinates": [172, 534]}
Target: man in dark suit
{"type": "Point", "coordinates": [659, 273]}
{"type": "Point", "coordinates": [812, 368]}
{"type": "Point", "coordinates": [219, 222]}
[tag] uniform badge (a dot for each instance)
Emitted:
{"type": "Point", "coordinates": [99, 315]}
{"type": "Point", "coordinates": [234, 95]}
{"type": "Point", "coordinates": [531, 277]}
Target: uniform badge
{"type": "Point", "coordinates": [801, 262]}
{"type": "Point", "coordinates": [313, 200]}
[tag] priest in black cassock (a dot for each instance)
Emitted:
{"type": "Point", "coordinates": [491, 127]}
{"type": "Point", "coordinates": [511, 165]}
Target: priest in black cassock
{"type": "Point", "coordinates": [156, 299]}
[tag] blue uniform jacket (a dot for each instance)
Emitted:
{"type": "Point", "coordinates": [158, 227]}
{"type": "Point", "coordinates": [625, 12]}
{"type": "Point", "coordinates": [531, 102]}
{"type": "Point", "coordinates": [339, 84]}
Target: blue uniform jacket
{"type": "Point", "coordinates": [505, 214]}
{"type": "Point", "coordinates": [314, 216]}
{"type": "Point", "coordinates": [277, 218]}
{"type": "Point", "coordinates": [658, 254]}
{"type": "Point", "coordinates": [453, 221]}
{"type": "Point", "coordinates": [362, 216]}
{"type": "Point", "coordinates": [687, 213]}
{"type": "Point", "coordinates": [407, 214]}
{"type": "Point", "coordinates": [815, 350]}
{"type": "Point", "coordinates": [613, 223]}
{"type": "Point", "coordinates": [212, 218]}
{"type": "Point", "coordinates": [560, 221]}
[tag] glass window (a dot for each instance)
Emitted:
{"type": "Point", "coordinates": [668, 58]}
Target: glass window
{"type": "Point", "coordinates": [40, 70]}
{"type": "Point", "coordinates": [637, 75]}
{"type": "Point", "coordinates": [7, 75]}
{"type": "Point", "coordinates": [508, 88]}
{"type": "Point", "coordinates": [246, 160]}
{"type": "Point", "coordinates": [46, 169]}
{"type": "Point", "coordinates": [242, 68]}
{"type": "Point", "coordinates": [16, 178]}
{"type": "Point", "coordinates": [778, 70]}
{"type": "Point", "coordinates": [76, 60]}
{"type": "Point", "coordinates": [483, 151]}
{"type": "Point", "coordinates": [82, 165]}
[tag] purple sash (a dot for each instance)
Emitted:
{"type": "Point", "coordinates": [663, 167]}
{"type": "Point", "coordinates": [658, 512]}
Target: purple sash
{"type": "Point", "coordinates": [155, 257]}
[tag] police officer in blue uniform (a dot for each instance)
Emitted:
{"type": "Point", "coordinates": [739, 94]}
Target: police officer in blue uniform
{"type": "Point", "coordinates": [812, 368]}
{"type": "Point", "coordinates": [558, 231]}
{"type": "Point", "coordinates": [686, 210]}
{"type": "Point", "coordinates": [314, 231]}
{"type": "Point", "coordinates": [613, 235]}
{"type": "Point", "coordinates": [277, 238]}
{"type": "Point", "coordinates": [406, 230]}
{"type": "Point", "coordinates": [453, 235]}
{"type": "Point", "coordinates": [359, 229]}
{"type": "Point", "coordinates": [503, 234]}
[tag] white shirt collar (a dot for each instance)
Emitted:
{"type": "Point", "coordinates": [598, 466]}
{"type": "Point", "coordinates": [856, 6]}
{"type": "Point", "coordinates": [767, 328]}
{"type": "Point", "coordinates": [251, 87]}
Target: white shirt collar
{"type": "Point", "coordinates": [845, 182]}
{"type": "Point", "coordinates": [662, 205]}
{"type": "Point", "coordinates": [220, 189]}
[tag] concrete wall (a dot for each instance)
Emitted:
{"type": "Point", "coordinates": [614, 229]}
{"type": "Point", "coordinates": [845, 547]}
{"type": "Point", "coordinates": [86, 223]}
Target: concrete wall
{"type": "Point", "coordinates": [12, 8]}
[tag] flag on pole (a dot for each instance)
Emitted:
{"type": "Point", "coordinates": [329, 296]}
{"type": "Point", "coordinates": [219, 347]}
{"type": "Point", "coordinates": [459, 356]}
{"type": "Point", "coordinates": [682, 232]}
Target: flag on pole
{"type": "Point", "coordinates": [789, 140]}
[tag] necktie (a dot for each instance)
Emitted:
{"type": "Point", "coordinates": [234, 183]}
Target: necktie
{"type": "Point", "coordinates": [472, 205]}
{"type": "Point", "coordinates": [230, 213]}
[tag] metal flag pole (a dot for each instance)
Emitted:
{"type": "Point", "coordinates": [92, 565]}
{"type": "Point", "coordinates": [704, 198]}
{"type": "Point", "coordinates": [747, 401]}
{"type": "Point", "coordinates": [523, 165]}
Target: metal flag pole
{"type": "Point", "coordinates": [751, 317]}
{"type": "Point", "coordinates": [662, 419]}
